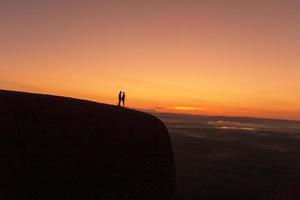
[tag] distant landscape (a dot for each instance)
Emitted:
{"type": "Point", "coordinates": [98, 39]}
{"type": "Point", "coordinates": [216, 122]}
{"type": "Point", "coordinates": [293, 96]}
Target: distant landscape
{"type": "Point", "coordinates": [235, 157]}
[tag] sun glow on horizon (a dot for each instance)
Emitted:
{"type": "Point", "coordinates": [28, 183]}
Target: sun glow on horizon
{"type": "Point", "coordinates": [186, 108]}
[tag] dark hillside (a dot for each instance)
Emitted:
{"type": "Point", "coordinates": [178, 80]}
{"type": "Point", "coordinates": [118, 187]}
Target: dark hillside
{"type": "Point", "coordinates": [61, 148]}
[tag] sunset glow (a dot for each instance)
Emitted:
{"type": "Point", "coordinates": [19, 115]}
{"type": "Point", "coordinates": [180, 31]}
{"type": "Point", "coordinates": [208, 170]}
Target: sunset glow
{"type": "Point", "coordinates": [186, 108]}
{"type": "Point", "coordinates": [201, 57]}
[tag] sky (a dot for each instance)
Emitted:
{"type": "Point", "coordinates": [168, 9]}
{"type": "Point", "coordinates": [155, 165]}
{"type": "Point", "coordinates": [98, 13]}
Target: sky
{"type": "Point", "coordinates": [209, 57]}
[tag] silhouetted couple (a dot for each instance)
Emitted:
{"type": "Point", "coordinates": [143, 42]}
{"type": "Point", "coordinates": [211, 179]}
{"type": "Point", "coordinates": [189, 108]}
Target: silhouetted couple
{"type": "Point", "coordinates": [121, 98]}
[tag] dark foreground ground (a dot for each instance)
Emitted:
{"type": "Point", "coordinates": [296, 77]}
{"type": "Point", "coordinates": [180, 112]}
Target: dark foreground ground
{"type": "Point", "coordinates": [54, 148]}
{"type": "Point", "coordinates": [256, 162]}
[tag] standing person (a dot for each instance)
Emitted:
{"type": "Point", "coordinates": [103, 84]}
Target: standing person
{"type": "Point", "coordinates": [123, 99]}
{"type": "Point", "coordinates": [120, 98]}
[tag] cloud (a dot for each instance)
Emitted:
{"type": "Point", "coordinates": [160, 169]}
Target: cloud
{"type": "Point", "coordinates": [159, 108]}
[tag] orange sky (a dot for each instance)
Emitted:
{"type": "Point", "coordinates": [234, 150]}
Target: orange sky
{"type": "Point", "coordinates": [201, 57]}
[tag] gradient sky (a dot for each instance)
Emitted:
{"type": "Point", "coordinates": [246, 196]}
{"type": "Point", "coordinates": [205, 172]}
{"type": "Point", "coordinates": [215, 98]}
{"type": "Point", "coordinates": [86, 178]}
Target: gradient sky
{"type": "Point", "coordinates": [203, 57]}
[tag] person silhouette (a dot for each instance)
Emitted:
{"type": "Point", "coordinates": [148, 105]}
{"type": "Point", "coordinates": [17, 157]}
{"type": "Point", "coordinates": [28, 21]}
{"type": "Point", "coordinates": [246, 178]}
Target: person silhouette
{"type": "Point", "coordinates": [120, 98]}
{"type": "Point", "coordinates": [123, 99]}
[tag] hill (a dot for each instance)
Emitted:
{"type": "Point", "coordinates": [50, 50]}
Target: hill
{"type": "Point", "coordinates": [62, 148]}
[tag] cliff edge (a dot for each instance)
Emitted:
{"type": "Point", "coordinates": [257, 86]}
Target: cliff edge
{"type": "Point", "coordinates": [62, 148]}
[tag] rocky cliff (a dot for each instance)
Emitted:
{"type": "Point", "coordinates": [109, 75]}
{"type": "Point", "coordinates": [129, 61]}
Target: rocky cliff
{"type": "Point", "coordinates": [61, 148]}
